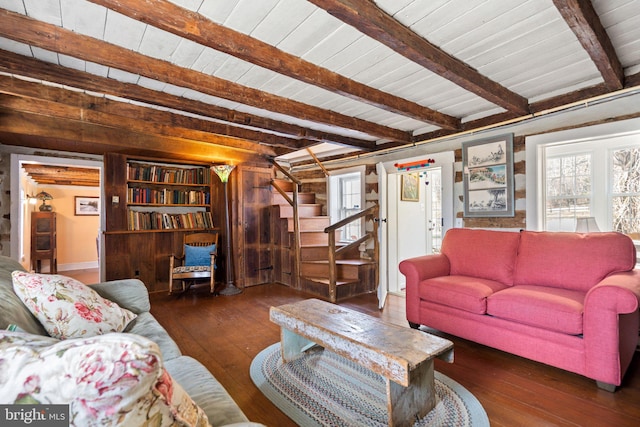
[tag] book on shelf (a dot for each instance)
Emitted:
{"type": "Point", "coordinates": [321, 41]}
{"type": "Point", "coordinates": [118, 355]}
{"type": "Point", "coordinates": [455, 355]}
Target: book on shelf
{"type": "Point", "coordinates": [169, 221]}
{"type": "Point", "coordinates": [142, 195]}
{"type": "Point", "coordinates": [168, 174]}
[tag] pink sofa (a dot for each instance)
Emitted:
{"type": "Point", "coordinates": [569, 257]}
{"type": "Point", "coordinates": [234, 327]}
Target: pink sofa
{"type": "Point", "coordinates": [569, 300]}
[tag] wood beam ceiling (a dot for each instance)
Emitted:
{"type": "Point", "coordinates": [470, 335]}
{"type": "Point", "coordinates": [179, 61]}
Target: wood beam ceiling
{"type": "Point", "coordinates": [195, 27]}
{"type": "Point", "coordinates": [584, 22]}
{"type": "Point", "coordinates": [374, 22]}
{"type": "Point", "coordinates": [50, 37]}
{"type": "Point", "coordinates": [62, 175]}
{"type": "Point", "coordinates": [16, 64]}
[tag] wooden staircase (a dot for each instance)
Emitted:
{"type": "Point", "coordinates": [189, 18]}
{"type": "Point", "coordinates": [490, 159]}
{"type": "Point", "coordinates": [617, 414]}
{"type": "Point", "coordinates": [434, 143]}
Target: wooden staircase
{"type": "Point", "coordinates": [310, 269]}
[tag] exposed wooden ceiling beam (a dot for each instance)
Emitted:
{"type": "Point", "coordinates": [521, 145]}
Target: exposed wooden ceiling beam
{"type": "Point", "coordinates": [62, 175]}
{"type": "Point", "coordinates": [195, 27]}
{"type": "Point", "coordinates": [50, 37]}
{"type": "Point", "coordinates": [80, 106]}
{"type": "Point", "coordinates": [152, 129]}
{"type": "Point", "coordinates": [585, 23]}
{"type": "Point", "coordinates": [83, 137]}
{"type": "Point", "coordinates": [374, 22]}
{"type": "Point", "coordinates": [17, 64]}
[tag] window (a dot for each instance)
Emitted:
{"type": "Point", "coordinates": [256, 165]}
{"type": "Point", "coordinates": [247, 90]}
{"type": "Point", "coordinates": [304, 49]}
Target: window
{"type": "Point", "coordinates": [568, 192]}
{"type": "Point", "coordinates": [625, 192]}
{"type": "Point", "coordinates": [599, 179]}
{"type": "Point", "coordinates": [346, 197]}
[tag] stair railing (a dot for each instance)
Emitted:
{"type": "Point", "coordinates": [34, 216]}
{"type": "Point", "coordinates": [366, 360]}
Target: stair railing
{"type": "Point", "coordinates": [334, 253]}
{"type": "Point", "coordinates": [296, 221]}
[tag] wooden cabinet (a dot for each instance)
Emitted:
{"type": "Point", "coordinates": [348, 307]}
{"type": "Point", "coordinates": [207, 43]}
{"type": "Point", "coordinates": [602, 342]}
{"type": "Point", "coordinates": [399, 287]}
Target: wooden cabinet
{"type": "Point", "coordinates": [43, 241]}
{"type": "Point", "coordinates": [150, 205]}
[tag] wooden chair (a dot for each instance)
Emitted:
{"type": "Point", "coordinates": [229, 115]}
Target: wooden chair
{"type": "Point", "coordinates": [197, 261]}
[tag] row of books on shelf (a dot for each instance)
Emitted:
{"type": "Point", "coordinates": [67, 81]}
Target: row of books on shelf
{"type": "Point", "coordinates": [165, 221]}
{"type": "Point", "coordinates": [167, 174]}
{"type": "Point", "coordinates": [167, 196]}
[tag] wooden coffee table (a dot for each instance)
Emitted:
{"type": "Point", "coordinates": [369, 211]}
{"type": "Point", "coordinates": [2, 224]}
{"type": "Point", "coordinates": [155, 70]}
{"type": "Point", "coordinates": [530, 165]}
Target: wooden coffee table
{"type": "Point", "coordinates": [403, 356]}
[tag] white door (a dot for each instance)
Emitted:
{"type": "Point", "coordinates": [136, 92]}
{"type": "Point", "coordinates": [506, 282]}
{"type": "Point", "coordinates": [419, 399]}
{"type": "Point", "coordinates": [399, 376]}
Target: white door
{"type": "Point", "coordinates": [382, 234]}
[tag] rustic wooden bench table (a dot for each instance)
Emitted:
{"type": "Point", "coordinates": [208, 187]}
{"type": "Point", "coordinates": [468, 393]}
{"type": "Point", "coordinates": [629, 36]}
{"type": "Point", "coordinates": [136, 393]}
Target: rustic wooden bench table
{"type": "Point", "coordinates": [403, 356]}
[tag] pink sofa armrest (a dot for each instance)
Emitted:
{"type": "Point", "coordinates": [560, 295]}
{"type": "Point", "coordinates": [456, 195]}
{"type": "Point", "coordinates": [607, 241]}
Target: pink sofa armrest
{"type": "Point", "coordinates": [611, 323]}
{"type": "Point", "coordinates": [416, 270]}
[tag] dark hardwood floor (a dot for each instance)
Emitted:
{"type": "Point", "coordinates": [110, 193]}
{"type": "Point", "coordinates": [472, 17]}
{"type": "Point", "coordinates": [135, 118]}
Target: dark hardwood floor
{"type": "Point", "coordinates": [225, 333]}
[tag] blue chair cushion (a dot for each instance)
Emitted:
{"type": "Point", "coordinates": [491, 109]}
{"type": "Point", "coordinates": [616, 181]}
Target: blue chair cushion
{"type": "Point", "coordinates": [198, 255]}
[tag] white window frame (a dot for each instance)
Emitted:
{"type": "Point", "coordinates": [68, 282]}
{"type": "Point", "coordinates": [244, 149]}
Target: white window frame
{"type": "Point", "coordinates": [535, 154]}
{"type": "Point", "coordinates": [333, 199]}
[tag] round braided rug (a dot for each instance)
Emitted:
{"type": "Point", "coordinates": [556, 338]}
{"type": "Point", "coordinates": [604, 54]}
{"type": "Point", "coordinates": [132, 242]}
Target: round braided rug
{"type": "Point", "coordinates": [324, 389]}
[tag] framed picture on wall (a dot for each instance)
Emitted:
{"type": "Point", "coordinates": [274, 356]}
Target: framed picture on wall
{"type": "Point", "coordinates": [86, 206]}
{"type": "Point", "coordinates": [487, 170]}
{"type": "Point", "coordinates": [410, 187]}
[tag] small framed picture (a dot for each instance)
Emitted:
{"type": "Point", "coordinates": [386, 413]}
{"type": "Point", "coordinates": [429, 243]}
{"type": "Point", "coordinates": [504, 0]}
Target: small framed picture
{"type": "Point", "coordinates": [87, 206]}
{"type": "Point", "coordinates": [410, 183]}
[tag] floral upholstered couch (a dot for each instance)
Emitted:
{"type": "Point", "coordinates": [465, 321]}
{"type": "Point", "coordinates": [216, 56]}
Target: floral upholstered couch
{"type": "Point", "coordinates": [100, 350]}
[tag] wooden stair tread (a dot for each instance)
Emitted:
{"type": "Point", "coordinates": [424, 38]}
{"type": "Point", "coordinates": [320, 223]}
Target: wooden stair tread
{"type": "Point", "coordinates": [342, 261]}
{"type": "Point", "coordinates": [325, 281]}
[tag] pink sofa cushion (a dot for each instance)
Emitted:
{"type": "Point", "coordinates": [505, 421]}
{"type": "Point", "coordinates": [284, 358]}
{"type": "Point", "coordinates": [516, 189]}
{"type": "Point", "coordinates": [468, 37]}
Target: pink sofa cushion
{"type": "Point", "coordinates": [461, 292]}
{"type": "Point", "coordinates": [572, 260]}
{"type": "Point", "coordinates": [482, 253]}
{"type": "Point", "coordinates": [554, 309]}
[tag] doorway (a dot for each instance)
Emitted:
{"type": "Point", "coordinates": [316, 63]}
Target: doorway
{"type": "Point", "coordinates": [416, 222]}
{"type": "Point", "coordinates": [78, 232]}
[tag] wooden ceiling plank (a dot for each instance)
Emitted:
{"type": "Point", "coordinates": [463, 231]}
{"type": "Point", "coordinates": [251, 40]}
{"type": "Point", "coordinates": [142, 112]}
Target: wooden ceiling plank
{"type": "Point", "coordinates": [368, 18]}
{"type": "Point", "coordinates": [197, 28]}
{"type": "Point", "coordinates": [50, 37]}
{"type": "Point", "coordinates": [36, 69]}
{"type": "Point", "coordinates": [586, 25]}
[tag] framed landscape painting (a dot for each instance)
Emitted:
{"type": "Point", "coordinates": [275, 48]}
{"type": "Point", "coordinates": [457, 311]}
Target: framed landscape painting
{"type": "Point", "coordinates": [87, 206]}
{"type": "Point", "coordinates": [488, 177]}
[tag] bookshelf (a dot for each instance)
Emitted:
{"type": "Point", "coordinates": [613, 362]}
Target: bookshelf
{"type": "Point", "coordinates": [150, 205]}
{"type": "Point", "coordinates": [167, 196]}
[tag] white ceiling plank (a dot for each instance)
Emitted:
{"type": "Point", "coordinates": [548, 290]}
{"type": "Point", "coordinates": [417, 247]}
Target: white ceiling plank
{"type": "Point", "coordinates": [123, 76]}
{"type": "Point", "coordinates": [84, 18]}
{"type": "Point", "coordinates": [192, 5]}
{"type": "Point", "coordinates": [305, 36]}
{"type": "Point", "coordinates": [248, 14]}
{"type": "Point", "coordinates": [71, 62]}
{"type": "Point", "coordinates": [44, 10]}
{"type": "Point", "coordinates": [151, 84]}
{"type": "Point", "coordinates": [45, 55]}
{"type": "Point", "coordinates": [285, 17]}
{"type": "Point", "coordinates": [186, 53]}
{"type": "Point", "coordinates": [325, 49]}
{"type": "Point", "coordinates": [123, 31]}
{"type": "Point", "coordinates": [14, 6]}
{"type": "Point", "coordinates": [158, 43]}
{"type": "Point", "coordinates": [209, 61]}
{"type": "Point", "coordinates": [15, 47]}
{"type": "Point", "coordinates": [97, 69]}
{"type": "Point", "coordinates": [217, 11]}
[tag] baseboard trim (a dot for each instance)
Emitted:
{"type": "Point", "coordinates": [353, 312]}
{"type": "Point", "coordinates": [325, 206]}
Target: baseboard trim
{"type": "Point", "coordinates": [78, 266]}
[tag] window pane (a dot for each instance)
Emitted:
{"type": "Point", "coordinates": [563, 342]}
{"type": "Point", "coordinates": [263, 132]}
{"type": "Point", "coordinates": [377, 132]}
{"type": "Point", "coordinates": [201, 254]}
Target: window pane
{"type": "Point", "coordinates": [568, 191]}
{"type": "Point", "coordinates": [626, 171]}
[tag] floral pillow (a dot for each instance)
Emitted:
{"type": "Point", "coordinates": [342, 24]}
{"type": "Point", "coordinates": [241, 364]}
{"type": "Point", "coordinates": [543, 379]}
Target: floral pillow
{"type": "Point", "coordinates": [67, 308]}
{"type": "Point", "coordinates": [107, 380]}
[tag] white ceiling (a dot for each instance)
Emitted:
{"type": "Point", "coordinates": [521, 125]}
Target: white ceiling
{"type": "Point", "coordinates": [526, 46]}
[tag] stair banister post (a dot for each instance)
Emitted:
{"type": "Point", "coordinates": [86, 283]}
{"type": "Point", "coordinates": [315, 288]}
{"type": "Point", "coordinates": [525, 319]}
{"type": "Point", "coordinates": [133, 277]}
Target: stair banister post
{"type": "Point", "coordinates": [332, 266]}
{"type": "Point", "coordinates": [296, 238]}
